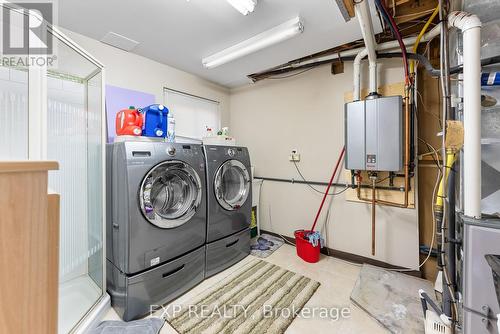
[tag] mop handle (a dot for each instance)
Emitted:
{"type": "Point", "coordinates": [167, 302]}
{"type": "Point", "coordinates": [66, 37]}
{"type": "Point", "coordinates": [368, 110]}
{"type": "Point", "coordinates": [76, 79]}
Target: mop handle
{"type": "Point", "coordinates": [328, 188]}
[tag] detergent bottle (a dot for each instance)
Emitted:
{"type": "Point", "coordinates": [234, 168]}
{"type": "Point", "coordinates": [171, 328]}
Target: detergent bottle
{"type": "Point", "coordinates": [171, 127]}
{"type": "Point", "coordinates": [129, 122]}
{"type": "Point", "coordinates": [155, 121]}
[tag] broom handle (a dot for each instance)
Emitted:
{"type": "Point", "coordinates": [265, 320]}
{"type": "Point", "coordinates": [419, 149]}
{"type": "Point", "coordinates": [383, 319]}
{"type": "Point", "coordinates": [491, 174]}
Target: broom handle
{"type": "Point", "coordinates": [328, 188]}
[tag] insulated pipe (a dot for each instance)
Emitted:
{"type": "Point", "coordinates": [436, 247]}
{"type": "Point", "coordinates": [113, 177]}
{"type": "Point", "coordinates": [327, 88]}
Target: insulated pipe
{"type": "Point", "coordinates": [470, 25]}
{"type": "Point", "coordinates": [362, 12]}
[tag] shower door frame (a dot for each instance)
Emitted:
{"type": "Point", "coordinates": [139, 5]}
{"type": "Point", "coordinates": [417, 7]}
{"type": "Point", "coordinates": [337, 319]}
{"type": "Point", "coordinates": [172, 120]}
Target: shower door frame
{"type": "Point", "coordinates": [37, 150]}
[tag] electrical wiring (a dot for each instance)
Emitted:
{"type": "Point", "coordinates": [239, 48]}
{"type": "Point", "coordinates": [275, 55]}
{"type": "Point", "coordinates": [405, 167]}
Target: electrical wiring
{"type": "Point", "coordinates": [432, 150]}
{"type": "Point", "coordinates": [386, 18]}
{"type": "Point", "coordinates": [382, 180]}
{"type": "Point", "coordinates": [390, 20]}
{"type": "Point", "coordinates": [290, 75]}
{"type": "Point", "coordinates": [416, 23]}
{"type": "Point", "coordinates": [315, 189]}
{"type": "Point", "coordinates": [414, 14]}
{"type": "Point", "coordinates": [425, 108]}
{"type": "Point", "coordinates": [446, 113]}
{"type": "Point", "coordinates": [434, 194]}
{"type": "Point", "coordinates": [382, 24]}
{"type": "Point", "coordinates": [433, 239]}
{"type": "Point", "coordinates": [421, 34]}
{"type": "Point", "coordinates": [285, 240]}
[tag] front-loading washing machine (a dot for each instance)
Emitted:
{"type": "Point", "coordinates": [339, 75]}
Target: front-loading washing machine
{"type": "Point", "coordinates": [156, 223]}
{"type": "Point", "coordinates": [229, 196]}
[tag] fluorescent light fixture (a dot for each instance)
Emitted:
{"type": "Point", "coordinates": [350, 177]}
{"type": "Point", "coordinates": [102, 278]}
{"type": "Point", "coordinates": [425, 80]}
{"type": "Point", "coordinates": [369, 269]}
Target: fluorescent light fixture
{"type": "Point", "coordinates": [243, 6]}
{"type": "Point", "coordinates": [267, 38]}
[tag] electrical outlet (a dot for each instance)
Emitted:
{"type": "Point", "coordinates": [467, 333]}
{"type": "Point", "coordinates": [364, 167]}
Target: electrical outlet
{"type": "Point", "coordinates": [294, 156]}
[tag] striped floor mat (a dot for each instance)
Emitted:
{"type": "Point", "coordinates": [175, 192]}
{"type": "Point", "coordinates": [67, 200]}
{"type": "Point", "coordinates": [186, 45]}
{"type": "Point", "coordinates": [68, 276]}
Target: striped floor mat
{"type": "Point", "coordinates": [259, 298]}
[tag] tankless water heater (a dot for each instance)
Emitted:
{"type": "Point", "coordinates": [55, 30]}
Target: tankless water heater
{"type": "Point", "coordinates": [374, 134]}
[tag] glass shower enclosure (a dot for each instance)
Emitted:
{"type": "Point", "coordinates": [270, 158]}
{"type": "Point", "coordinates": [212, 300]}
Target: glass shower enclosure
{"type": "Point", "coordinates": [53, 109]}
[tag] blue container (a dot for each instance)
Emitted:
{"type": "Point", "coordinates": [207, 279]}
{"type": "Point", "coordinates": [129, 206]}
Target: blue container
{"type": "Point", "coordinates": [155, 121]}
{"type": "Point", "coordinates": [490, 79]}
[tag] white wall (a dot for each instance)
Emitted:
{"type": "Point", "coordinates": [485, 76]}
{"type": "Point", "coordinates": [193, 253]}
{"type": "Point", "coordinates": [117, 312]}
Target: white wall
{"type": "Point", "coordinates": [305, 112]}
{"type": "Point", "coordinates": [128, 70]}
{"type": "Point", "coordinates": [271, 118]}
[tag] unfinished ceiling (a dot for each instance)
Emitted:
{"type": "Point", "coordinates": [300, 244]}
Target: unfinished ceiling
{"type": "Point", "coordinates": [180, 32]}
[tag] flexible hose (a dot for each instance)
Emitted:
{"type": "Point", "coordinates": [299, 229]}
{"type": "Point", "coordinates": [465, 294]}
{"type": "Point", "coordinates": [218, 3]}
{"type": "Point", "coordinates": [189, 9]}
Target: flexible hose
{"type": "Point", "coordinates": [328, 188]}
{"type": "Point", "coordinates": [450, 159]}
{"type": "Point", "coordinates": [421, 34]}
{"type": "Point", "coordinates": [390, 20]}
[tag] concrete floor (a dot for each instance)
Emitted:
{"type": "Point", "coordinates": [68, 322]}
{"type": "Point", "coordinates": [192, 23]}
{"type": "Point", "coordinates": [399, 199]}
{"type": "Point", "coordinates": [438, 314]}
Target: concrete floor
{"type": "Point", "coordinates": [337, 280]}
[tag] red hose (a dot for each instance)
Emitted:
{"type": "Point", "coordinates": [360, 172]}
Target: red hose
{"type": "Point", "coordinates": [328, 188]}
{"type": "Point", "coordinates": [399, 38]}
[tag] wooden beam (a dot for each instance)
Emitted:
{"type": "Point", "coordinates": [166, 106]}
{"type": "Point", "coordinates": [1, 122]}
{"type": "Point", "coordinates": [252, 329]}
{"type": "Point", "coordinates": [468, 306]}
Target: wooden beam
{"type": "Point", "coordinates": [413, 10]}
{"type": "Point", "coordinates": [349, 5]}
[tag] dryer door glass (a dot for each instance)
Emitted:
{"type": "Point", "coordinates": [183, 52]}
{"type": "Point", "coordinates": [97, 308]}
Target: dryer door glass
{"type": "Point", "coordinates": [170, 194]}
{"type": "Point", "coordinates": [232, 184]}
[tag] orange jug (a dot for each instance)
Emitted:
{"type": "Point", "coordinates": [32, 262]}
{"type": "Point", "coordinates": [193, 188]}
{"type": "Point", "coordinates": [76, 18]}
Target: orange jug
{"type": "Point", "coordinates": [129, 122]}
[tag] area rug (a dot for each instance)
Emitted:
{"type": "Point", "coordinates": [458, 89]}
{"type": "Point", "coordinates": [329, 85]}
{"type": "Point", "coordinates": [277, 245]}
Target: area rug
{"type": "Point", "coordinates": [259, 298]}
{"type": "Point", "coordinates": [264, 245]}
{"type": "Point", "coordinates": [391, 298]}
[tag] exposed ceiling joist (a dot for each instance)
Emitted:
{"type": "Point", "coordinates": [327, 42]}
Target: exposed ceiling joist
{"type": "Point", "coordinates": [407, 13]}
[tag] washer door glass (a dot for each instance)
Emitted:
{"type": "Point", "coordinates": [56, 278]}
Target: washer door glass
{"type": "Point", "coordinates": [170, 194]}
{"type": "Point", "coordinates": [232, 184]}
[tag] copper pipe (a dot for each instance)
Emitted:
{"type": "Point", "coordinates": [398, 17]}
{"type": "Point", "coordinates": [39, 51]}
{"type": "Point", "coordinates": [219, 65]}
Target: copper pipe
{"type": "Point", "coordinates": [373, 214]}
{"type": "Point", "coordinates": [406, 162]}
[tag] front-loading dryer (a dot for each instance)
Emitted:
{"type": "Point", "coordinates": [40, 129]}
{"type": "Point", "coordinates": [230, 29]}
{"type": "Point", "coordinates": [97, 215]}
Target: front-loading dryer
{"type": "Point", "coordinates": [156, 229]}
{"type": "Point", "coordinates": [229, 196]}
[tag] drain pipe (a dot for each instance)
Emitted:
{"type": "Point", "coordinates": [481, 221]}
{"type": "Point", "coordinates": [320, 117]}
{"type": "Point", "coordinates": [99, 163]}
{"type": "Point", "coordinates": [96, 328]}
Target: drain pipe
{"type": "Point", "coordinates": [470, 25]}
{"type": "Point", "coordinates": [362, 12]}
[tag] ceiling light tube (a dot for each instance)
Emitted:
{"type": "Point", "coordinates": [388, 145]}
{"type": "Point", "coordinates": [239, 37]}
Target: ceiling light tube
{"type": "Point", "coordinates": [263, 40]}
{"type": "Point", "coordinates": [243, 6]}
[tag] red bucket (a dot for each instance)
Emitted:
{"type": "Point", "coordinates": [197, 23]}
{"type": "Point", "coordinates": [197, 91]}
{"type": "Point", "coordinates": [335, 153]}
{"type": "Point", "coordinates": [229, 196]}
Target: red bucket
{"type": "Point", "coordinates": [305, 250]}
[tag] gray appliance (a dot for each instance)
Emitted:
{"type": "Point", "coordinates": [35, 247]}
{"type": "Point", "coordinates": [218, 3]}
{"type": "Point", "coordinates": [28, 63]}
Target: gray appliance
{"type": "Point", "coordinates": [156, 224]}
{"type": "Point", "coordinates": [480, 299]}
{"type": "Point", "coordinates": [229, 197]}
{"type": "Point", "coordinates": [374, 134]}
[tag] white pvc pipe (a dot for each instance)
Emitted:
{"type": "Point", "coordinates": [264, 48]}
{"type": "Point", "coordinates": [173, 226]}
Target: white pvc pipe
{"type": "Point", "coordinates": [409, 41]}
{"type": "Point", "coordinates": [470, 25]}
{"type": "Point", "coordinates": [363, 52]}
{"type": "Point", "coordinates": [356, 69]}
{"type": "Point", "coordinates": [362, 12]}
{"type": "Point", "coordinates": [373, 77]}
